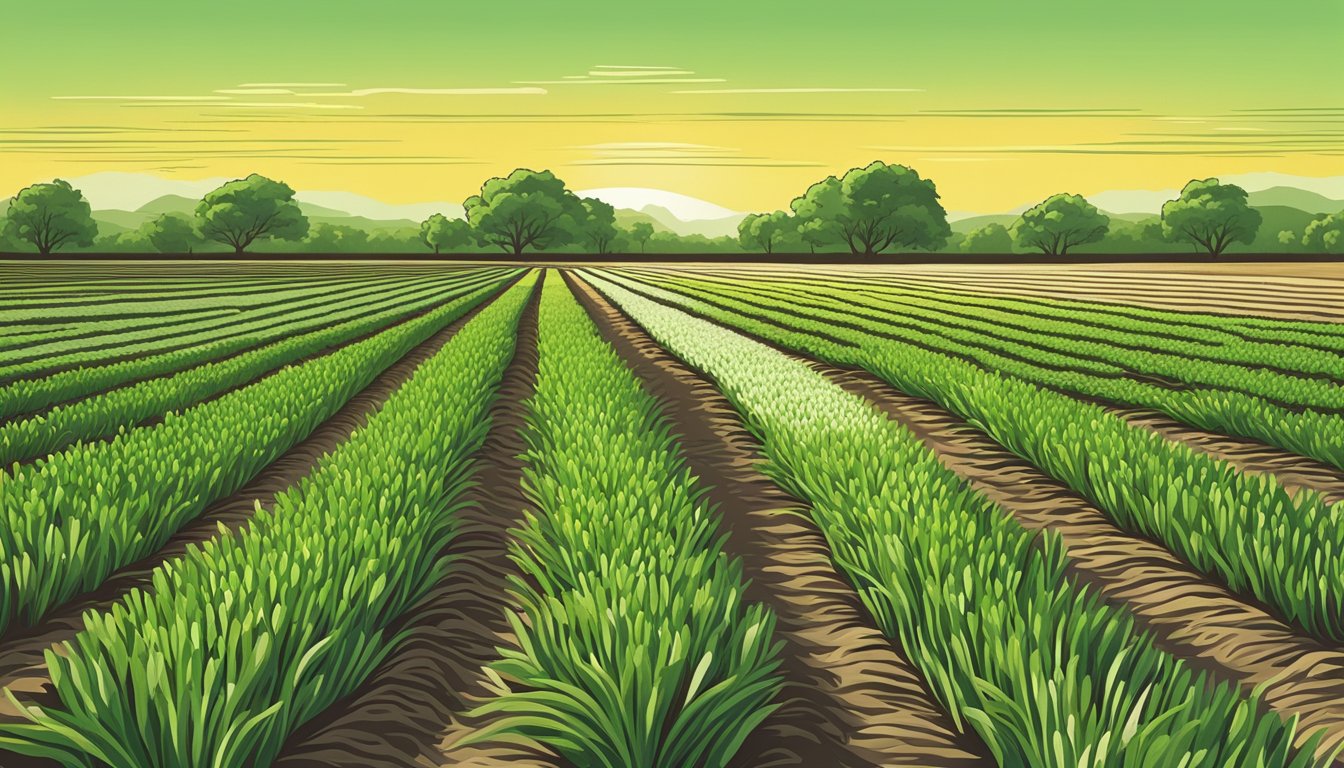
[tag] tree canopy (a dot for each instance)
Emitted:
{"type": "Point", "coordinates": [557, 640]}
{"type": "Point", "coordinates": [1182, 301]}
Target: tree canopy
{"type": "Point", "coordinates": [440, 232]}
{"type": "Point", "coordinates": [991, 238]}
{"type": "Point", "coordinates": [1325, 234]}
{"type": "Point", "coordinates": [1059, 223]}
{"type": "Point", "coordinates": [170, 233]}
{"type": "Point", "coordinates": [640, 232]}
{"type": "Point", "coordinates": [596, 224]}
{"type": "Point", "coordinates": [51, 216]}
{"type": "Point", "coordinates": [873, 208]}
{"type": "Point", "coordinates": [526, 209]}
{"type": "Point", "coordinates": [243, 211]}
{"type": "Point", "coordinates": [764, 231]}
{"type": "Point", "coordinates": [1212, 215]}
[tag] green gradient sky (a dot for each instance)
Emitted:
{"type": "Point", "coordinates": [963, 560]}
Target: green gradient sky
{"type": "Point", "coordinates": [1165, 60]}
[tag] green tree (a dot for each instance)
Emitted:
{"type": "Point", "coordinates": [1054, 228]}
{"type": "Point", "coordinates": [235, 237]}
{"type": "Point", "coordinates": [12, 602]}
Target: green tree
{"type": "Point", "coordinates": [1211, 214]}
{"type": "Point", "coordinates": [243, 211]}
{"type": "Point", "coordinates": [764, 231]}
{"type": "Point", "coordinates": [991, 238]}
{"type": "Point", "coordinates": [440, 232]}
{"type": "Point", "coordinates": [816, 234]}
{"type": "Point", "coordinates": [51, 216]}
{"type": "Point", "coordinates": [336, 238]}
{"type": "Point", "coordinates": [596, 224]}
{"type": "Point", "coordinates": [526, 209]}
{"type": "Point", "coordinates": [640, 232]}
{"type": "Point", "coordinates": [873, 208]}
{"type": "Point", "coordinates": [1325, 234]}
{"type": "Point", "coordinates": [1059, 223]}
{"type": "Point", "coordinates": [170, 233]}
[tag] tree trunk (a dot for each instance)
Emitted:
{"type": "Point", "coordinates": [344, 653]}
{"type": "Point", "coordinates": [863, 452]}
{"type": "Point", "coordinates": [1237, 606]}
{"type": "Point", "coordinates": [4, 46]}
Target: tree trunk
{"type": "Point", "coordinates": [237, 249]}
{"type": "Point", "coordinates": [436, 250]}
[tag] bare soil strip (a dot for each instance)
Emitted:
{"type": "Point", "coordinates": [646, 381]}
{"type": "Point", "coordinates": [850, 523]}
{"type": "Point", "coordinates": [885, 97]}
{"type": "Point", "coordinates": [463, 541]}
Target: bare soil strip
{"type": "Point", "coordinates": [411, 711]}
{"type": "Point", "coordinates": [1295, 472]}
{"type": "Point", "coordinates": [22, 666]}
{"type": "Point", "coordinates": [850, 698]}
{"type": "Point", "coordinates": [1211, 627]}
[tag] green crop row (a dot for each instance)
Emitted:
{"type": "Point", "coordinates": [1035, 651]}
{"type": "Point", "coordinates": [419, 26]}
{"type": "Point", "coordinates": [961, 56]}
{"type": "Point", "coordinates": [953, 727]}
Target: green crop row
{"type": "Point", "coordinates": [1306, 432]}
{"type": "Point", "coordinates": [71, 520]}
{"type": "Point", "coordinates": [1149, 348]}
{"type": "Point", "coordinates": [1243, 529]}
{"type": "Point", "coordinates": [57, 356]}
{"type": "Point", "coordinates": [30, 395]}
{"type": "Point", "coordinates": [953, 328]}
{"type": "Point", "coordinates": [1037, 665]}
{"type": "Point", "coordinates": [120, 409]}
{"type": "Point", "coordinates": [249, 636]}
{"type": "Point", "coordinates": [636, 648]}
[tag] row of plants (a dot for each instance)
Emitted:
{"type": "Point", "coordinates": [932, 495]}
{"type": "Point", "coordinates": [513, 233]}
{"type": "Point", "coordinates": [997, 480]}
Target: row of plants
{"type": "Point", "coordinates": [246, 638]}
{"type": "Point", "coordinates": [69, 521]}
{"type": "Point", "coordinates": [1044, 672]}
{"type": "Point", "coordinates": [1311, 433]}
{"type": "Point", "coordinates": [1041, 342]}
{"type": "Point", "coordinates": [1243, 529]}
{"type": "Point", "coordinates": [1148, 349]}
{"type": "Point", "coordinates": [636, 647]}
{"type": "Point", "coordinates": [120, 340]}
{"type": "Point", "coordinates": [106, 414]}
{"type": "Point", "coordinates": [28, 396]}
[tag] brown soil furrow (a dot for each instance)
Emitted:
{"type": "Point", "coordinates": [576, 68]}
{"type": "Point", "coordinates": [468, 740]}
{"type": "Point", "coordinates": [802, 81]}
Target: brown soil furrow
{"type": "Point", "coordinates": [1295, 472]}
{"type": "Point", "coordinates": [411, 711]}
{"type": "Point", "coordinates": [22, 666]}
{"type": "Point", "coordinates": [850, 699]}
{"type": "Point", "coordinates": [1189, 616]}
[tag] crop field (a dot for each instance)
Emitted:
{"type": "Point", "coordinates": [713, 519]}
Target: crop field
{"type": "Point", "coordinates": [374, 514]}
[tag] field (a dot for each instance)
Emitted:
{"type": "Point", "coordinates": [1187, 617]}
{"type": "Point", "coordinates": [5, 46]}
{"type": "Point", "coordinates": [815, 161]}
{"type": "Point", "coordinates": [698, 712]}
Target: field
{"type": "Point", "coordinates": [370, 514]}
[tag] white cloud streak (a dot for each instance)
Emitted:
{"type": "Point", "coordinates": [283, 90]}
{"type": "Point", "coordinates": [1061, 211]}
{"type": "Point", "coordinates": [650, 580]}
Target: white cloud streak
{"type": "Point", "coordinates": [800, 90]}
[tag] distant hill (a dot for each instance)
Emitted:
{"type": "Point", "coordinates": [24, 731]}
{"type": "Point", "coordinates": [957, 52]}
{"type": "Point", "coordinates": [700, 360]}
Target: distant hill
{"type": "Point", "coordinates": [975, 222]}
{"type": "Point", "coordinates": [169, 204]}
{"type": "Point", "coordinates": [725, 226]}
{"type": "Point", "coordinates": [1291, 197]}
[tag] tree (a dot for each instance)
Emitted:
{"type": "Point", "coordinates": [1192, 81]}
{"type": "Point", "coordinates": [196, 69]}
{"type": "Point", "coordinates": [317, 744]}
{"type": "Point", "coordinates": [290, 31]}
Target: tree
{"type": "Point", "coordinates": [242, 211]}
{"type": "Point", "coordinates": [51, 216]}
{"type": "Point", "coordinates": [440, 232]}
{"type": "Point", "coordinates": [640, 232]}
{"type": "Point", "coordinates": [1325, 234]}
{"type": "Point", "coordinates": [169, 233]}
{"type": "Point", "coordinates": [596, 224]}
{"type": "Point", "coordinates": [526, 209]}
{"type": "Point", "coordinates": [874, 208]}
{"type": "Point", "coordinates": [1059, 223]}
{"type": "Point", "coordinates": [815, 233]}
{"type": "Point", "coordinates": [336, 238]}
{"type": "Point", "coordinates": [1211, 214]}
{"type": "Point", "coordinates": [991, 238]}
{"type": "Point", "coordinates": [764, 230]}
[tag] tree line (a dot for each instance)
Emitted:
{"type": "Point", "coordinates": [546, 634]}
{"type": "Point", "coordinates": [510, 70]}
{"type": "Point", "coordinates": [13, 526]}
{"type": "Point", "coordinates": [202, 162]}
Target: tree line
{"type": "Point", "coordinates": [876, 209]}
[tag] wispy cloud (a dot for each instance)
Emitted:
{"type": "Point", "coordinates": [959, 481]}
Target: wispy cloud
{"type": "Point", "coordinates": [612, 74]}
{"type": "Point", "coordinates": [799, 90]}
{"type": "Point", "coordinates": [676, 153]}
{"type": "Point", "coordinates": [360, 92]}
{"type": "Point", "coordinates": [292, 85]}
{"type": "Point", "coordinates": [141, 98]}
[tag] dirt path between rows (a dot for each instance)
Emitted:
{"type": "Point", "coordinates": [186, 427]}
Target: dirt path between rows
{"type": "Point", "coordinates": [850, 699]}
{"type": "Point", "coordinates": [411, 711]}
{"type": "Point", "coordinates": [1206, 624]}
{"type": "Point", "coordinates": [1293, 471]}
{"type": "Point", "coordinates": [22, 666]}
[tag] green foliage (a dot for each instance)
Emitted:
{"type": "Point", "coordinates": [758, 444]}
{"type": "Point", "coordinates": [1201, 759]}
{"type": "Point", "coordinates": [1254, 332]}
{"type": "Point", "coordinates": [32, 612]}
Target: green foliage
{"type": "Point", "coordinates": [595, 225]}
{"type": "Point", "coordinates": [243, 211]}
{"type": "Point", "coordinates": [50, 217]}
{"type": "Point", "coordinates": [764, 231]}
{"type": "Point", "coordinates": [440, 232]}
{"type": "Point", "coordinates": [1325, 234]}
{"type": "Point", "coordinates": [1006, 640]}
{"type": "Point", "coordinates": [526, 209]}
{"type": "Point", "coordinates": [335, 238]}
{"type": "Point", "coordinates": [73, 519]}
{"type": "Point", "coordinates": [249, 636]}
{"type": "Point", "coordinates": [170, 233]}
{"type": "Point", "coordinates": [636, 648]}
{"type": "Point", "coordinates": [1212, 215]}
{"type": "Point", "coordinates": [640, 232]}
{"type": "Point", "coordinates": [1243, 529]}
{"type": "Point", "coordinates": [1059, 223]}
{"type": "Point", "coordinates": [103, 415]}
{"type": "Point", "coordinates": [873, 208]}
{"type": "Point", "coordinates": [991, 238]}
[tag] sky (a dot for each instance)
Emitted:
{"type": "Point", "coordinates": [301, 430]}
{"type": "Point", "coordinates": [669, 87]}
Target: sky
{"type": "Point", "coordinates": [742, 103]}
